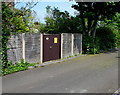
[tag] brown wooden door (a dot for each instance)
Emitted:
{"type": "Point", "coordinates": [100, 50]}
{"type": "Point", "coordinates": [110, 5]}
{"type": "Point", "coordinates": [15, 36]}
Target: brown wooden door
{"type": "Point", "coordinates": [51, 47]}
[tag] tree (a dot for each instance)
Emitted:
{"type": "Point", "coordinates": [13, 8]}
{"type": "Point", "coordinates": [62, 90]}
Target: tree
{"type": "Point", "coordinates": [39, 26]}
{"type": "Point", "coordinates": [114, 25]}
{"type": "Point", "coordinates": [92, 12]}
{"type": "Point", "coordinates": [13, 21]}
{"type": "Point", "coordinates": [61, 22]}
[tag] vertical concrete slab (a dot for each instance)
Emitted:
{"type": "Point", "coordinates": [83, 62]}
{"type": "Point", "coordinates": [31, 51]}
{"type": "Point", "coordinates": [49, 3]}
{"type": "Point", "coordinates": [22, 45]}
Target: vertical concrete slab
{"type": "Point", "coordinates": [72, 44]}
{"type": "Point", "coordinates": [61, 46]}
{"type": "Point", "coordinates": [66, 46]}
{"type": "Point", "coordinates": [41, 48]}
{"type": "Point", "coordinates": [15, 48]}
{"type": "Point", "coordinates": [32, 47]}
{"type": "Point", "coordinates": [23, 46]}
{"type": "Point", "coordinates": [77, 48]}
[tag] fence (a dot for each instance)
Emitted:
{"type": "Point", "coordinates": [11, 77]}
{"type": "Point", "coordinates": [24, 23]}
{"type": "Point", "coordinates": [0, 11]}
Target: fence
{"type": "Point", "coordinates": [71, 44]}
{"type": "Point", "coordinates": [29, 46]}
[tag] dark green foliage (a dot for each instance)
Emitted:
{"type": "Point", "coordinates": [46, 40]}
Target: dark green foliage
{"type": "Point", "coordinates": [107, 38]}
{"type": "Point", "coordinates": [6, 32]}
{"type": "Point", "coordinates": [89, 45]}
{"type": "Point", "coordinates": [92, 12]}
{"type": "Point", "coordinates": [13, 21]}
{"type": "Point", "coordinates": [117, 38]}
{"type": "Point", "coordinates": [39, 26]}
{"type": "Point", "coordinates": [21, 66]}
{"type": "Point", "coordinates": [61, 22]}
{"type": "Point", "coordinates": [114, 25]}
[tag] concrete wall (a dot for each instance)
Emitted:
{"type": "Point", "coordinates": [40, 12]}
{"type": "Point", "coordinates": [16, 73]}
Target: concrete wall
{"type": "Point", "coordinates": [29, 46]}
{"type": "Point", "coordinates": [24, 46]}
{"type": "Point", "coordinates": [77, 44]}
{"type": "Point", "coordinates": [71, 44]}
{"type": "Point", "coordinates": [15, 48]}
{"type": "Point", "coordinates": [66, 44]}
{"type": "Point", "coordinates": [32, 47]}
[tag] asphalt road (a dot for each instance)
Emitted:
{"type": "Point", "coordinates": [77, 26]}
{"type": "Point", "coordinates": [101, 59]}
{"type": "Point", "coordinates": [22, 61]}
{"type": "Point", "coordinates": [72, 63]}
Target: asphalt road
{"type": "Point", "coordinates": [84, 74]}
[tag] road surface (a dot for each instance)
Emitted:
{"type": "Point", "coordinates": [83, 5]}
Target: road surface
{"type": "Point", "coordinates": [84, 74]}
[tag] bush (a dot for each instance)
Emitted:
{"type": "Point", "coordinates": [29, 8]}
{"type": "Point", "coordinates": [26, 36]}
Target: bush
{"type": "Point", "coordinates": [107, 38]}
{"type": "Point", "coordinates": [117, 40]}
{"type": "Point", "coordinates": [90, 45]}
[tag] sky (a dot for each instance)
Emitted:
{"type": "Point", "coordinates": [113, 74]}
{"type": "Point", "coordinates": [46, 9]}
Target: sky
{"type": "Point", "coordinates": [40, 8]}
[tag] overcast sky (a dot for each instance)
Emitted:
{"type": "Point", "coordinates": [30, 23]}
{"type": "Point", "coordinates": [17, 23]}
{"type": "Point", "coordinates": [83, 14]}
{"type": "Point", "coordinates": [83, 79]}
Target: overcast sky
{"type": "Point", "coordinates": [40, 8]}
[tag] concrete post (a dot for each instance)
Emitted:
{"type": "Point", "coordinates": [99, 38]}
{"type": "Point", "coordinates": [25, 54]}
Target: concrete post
{"type": "Point", "coordinates": [23, 46]}
{"type": "Point", "coordinates": [41, 48]}
{"type": "Point", "coordinates": [72, 44]}
{"type": "Point", "coordinates": [61, 45]}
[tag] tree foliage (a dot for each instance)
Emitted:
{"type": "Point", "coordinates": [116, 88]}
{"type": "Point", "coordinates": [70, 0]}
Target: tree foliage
{"type": "Point", "coordinates": [100, 15]}
{"type": "Point", "coordinates": [107, 38]}
{"type": "Point", "coordinates": [13, 21]}
{"type": "Point", "coordinates": [39, 26]}
{"type": "Point", "coordinates": [61, 22]}
{"type": "Point", "coordinates": [92, 12]}
{"type": "Point", "coordinates": [114, 25]}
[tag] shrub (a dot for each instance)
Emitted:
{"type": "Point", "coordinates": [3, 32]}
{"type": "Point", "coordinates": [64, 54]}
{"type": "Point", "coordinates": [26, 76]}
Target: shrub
{"type": "Point", "coordinates": [107, 38]}
{"type": "Point", "coordinates": [90, 45]}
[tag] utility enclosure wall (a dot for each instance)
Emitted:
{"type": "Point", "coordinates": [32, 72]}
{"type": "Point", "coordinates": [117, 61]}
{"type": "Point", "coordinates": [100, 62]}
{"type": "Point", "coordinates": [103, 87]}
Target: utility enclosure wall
{"type": "Point", "coordinates": [71, 44]}
{"type": "Point", "coordinates": [29, 46]}
{"type": "Point", "coordinates": [32, 47]}
{"type": "Point", "coordinates": [77, 44]}
{"type": "Point", "coordinates": [25, 46]}
{"type": "Point", "coordinates": [15, 48]}
{"type": "Point", "coordinates": [66, 45]}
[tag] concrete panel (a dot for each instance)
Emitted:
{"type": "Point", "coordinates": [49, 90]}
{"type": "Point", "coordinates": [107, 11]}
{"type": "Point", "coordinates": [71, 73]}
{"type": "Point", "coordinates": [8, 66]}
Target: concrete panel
{"type": "Point", "coordinates": [77, 47]}
{"type": "Point", "coordinates": [67, 40]}
{"type": "Point", "coordinates": [15, 48]}
{"type": "Point", "coordinates": [32, 47]}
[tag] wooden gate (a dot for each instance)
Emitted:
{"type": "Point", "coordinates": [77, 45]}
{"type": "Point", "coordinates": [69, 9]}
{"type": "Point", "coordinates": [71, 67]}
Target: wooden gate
{"type": "Point", "coordinates": [51, 47]}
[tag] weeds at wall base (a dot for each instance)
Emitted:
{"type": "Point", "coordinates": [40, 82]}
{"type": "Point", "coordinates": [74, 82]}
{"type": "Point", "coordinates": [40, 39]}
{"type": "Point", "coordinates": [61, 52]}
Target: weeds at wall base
{"type": "Point", "coordinates": [20, 66]}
